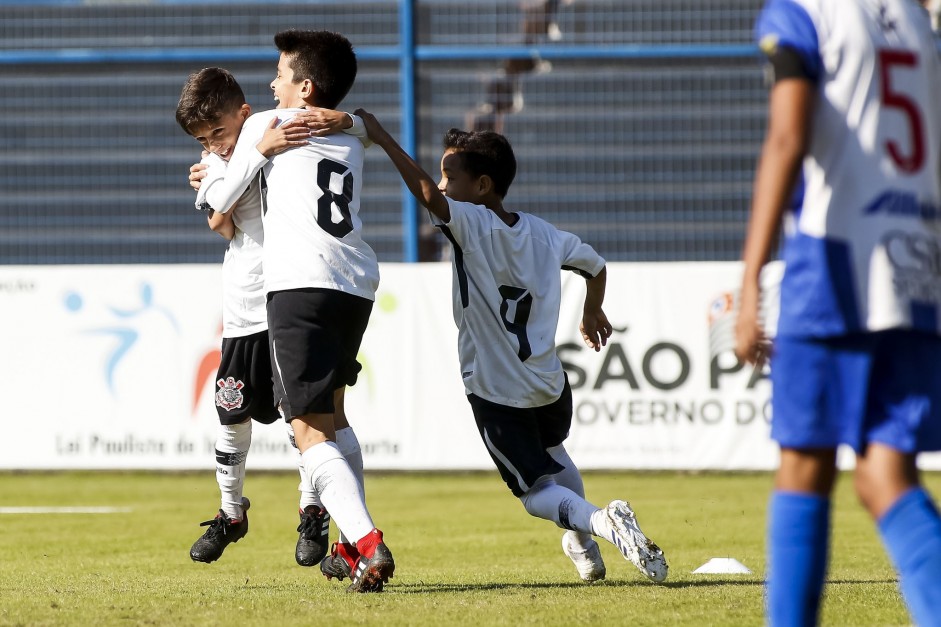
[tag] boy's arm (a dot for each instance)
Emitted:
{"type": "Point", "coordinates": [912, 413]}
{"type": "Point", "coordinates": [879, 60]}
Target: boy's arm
{"type": "Point", "coordinates": [417, 180]}
{"type": "Point", "coordinates": [252, 150]}
{"type": "Point", "coordinates": [595, 327]}
{"type": "Point", "coordinates": [211, 169]}
{"type": "Point", "coordinates": [322, 122]}
{"type": "Point", "coordinates": [358, 130]}
{"type": "Point", "coordinates": [279, 137]}
{"type": "Point", "coordinates": [222, 224]}
{"type": "Point", "coordinates": [789, 120]}
{"type": "Point", "coordinates": [221, 192]}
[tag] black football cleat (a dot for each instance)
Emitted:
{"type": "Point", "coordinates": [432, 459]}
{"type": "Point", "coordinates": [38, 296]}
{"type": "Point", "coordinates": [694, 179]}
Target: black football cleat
{"type": "Point", "coordinates": [222, 531]}
{"type": "Point", "coordinates": [314, 538]}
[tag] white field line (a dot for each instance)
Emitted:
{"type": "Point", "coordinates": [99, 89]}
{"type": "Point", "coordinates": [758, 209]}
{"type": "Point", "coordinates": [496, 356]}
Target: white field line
{"type": "Point", "coordinates": [64, 510]}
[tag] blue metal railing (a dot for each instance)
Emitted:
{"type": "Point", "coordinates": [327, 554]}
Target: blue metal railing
{"type": "Point", "coordinates": [407, 54]}
{"type": "Point", "coordinates": [409, 129]}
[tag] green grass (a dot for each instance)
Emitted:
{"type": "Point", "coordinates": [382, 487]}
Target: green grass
{"type": "Point", "coordinates": [465, 550]}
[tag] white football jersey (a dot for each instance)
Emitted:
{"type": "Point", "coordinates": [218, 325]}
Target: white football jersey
{"type": "Point", "coordinates": [310, 196]}
{"type": "Point", "coordinates": [506, 292]}
{"type": "Point", "coordinates": [863, 251]}
{"type": "Point", "coordinates": [243, 285]}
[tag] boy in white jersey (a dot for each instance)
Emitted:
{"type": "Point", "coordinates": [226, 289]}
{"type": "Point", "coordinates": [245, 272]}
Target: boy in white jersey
{"type": "Point", "coordinates": [506, 295]}
{"type": "Point", "coordinates": [212, 109]}
{"type": "Point", "coordinates": [856, 101]}
{"type": "Point", "coordinates": [321, 279]}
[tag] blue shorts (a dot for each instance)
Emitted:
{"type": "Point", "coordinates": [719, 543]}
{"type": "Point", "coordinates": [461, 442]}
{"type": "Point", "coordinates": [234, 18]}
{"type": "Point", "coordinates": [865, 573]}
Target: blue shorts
{"type": "Point", "coordinates": [877, 387]}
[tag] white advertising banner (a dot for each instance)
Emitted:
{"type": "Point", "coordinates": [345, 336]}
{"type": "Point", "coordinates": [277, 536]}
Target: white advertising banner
{"type": "Point", "coordinates": [114, 367]}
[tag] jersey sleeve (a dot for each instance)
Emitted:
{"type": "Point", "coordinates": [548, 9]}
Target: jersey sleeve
{"type": "Point", "coordinates": [242, 168]}
{"type": "Point", "coordinates": [215, 172]}
{"type": "Point", "coordinates": [358, 130]}
{"type": "Point", "coordinates": [787, 24]}
{"type": "Point", "coordinates": [577, 256]}
{"type": "Point", "coordinates": [460, 228]}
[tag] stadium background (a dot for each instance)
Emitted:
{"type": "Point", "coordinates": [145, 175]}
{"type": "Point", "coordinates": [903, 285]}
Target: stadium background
{"type": "Point", "coordinates": [641, 138]}
{"type": "Point", "coordinates": [636, 124]}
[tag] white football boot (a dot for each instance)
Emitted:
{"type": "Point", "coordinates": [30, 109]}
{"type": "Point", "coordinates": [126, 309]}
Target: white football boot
{"type": "Point", "coordinates": [587, 561]}
{"type": "Point", "coordinates": [624, 533]}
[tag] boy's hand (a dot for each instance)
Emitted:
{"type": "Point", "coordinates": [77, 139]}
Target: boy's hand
{"type": "Point", "coordinates": [751, 344]}
{"type": "Point", "coordinates": [375, 131]}
{"type": "Point", "coordinates": [197, 174]}
{"type": "Point", "coordinates": [595, 329]}
{"type": "Point", "coordinates": [277, 139]}
{"type": "Point", "coordinates": [321, 122]}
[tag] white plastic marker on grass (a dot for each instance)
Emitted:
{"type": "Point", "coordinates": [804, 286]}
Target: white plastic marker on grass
{"type": "Point", "coordinates": [723, 566]}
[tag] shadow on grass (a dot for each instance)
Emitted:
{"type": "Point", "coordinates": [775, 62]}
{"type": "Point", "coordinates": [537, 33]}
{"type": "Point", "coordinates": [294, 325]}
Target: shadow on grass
{"type": "Point", "coordinates": [424, 588]}
{"type": "Point", "coordinates": [853, 582]}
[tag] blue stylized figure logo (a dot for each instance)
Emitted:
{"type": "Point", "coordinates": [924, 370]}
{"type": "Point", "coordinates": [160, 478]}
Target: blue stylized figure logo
{"type": "Point", "coordinates": [125, 334]}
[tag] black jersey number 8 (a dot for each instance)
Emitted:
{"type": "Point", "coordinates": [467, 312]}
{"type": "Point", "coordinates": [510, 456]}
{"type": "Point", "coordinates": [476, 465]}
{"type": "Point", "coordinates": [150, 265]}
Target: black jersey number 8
{"type": "Point", "coordinates": [325, 170]}
{"type": "Point", "coordinates": [517, 326]}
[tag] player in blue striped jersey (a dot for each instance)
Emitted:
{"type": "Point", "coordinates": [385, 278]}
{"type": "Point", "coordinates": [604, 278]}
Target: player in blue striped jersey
{"type": "Point", "coordinates": [855, 109]}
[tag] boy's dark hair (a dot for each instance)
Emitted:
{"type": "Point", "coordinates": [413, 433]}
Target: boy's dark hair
{"type": "Point", "coordinates": [208, 95]}
{"type": "Point", "coordinates": [484, 152]}
{"type": "Point", "coordinates": [325, 59]}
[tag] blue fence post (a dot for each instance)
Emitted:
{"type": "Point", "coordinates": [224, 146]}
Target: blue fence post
{"type": "Point", "coordinates": [409, 122]}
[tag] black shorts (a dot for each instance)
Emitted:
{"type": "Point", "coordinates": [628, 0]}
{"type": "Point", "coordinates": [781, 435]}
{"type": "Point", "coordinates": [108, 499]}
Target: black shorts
{"type": "Point", "coordinates": [244, 387]}
{"type": "Point", "coordinates": [315, 336]}
{"type": "Point", "coordinates": [517, 438]}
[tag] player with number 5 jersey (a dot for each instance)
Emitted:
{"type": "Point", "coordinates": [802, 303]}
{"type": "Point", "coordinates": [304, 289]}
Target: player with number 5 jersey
{"type": "Point", "coordinates": [872, 203]}
{"type": "Point", "coordinates": [855, 109]}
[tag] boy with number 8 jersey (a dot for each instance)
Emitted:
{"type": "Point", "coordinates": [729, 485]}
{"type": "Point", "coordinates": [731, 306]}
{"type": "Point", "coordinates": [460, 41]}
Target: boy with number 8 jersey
{"type": "Point", "coordinates": [320, 279]}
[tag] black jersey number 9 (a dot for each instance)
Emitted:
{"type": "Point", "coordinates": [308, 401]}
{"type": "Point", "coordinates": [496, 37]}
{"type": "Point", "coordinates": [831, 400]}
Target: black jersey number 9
{"type": "Point", "coordinates": [325, 170]}
{"type": "Point", "coordinates": [517, 326]}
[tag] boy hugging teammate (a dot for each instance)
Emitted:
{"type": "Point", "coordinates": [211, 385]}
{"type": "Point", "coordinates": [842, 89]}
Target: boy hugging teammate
{"type": "Point", "coordinates": [320, 281]}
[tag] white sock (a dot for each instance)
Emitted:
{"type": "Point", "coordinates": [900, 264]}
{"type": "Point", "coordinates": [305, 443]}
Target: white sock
{"type": "Point", "coordinates": [550, 501]}
{"type": "Point", "coordinates": [308, 496]}
{"type": "Point", "coordinates": [600, 526]}
{"type": "Point", "coordinates": [332, 479]}
{"type": "Point", "coordinates": [232, 443]}
{"type": "Point", "coordinates": [349, 447]}
{"type": "Point", "coordinates": [570, 478]}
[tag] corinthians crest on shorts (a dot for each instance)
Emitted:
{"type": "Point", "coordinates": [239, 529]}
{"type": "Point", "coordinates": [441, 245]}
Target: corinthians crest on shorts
{"type": "Point", "coordinates": [229, 396]}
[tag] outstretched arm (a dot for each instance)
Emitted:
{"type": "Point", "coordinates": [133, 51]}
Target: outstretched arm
{"type": "Point", "coordinates": [323, 122]}
{"type": "Point", "coordinates": [595, 327]}
{"type": "Point", "coordinates": [417, 180]}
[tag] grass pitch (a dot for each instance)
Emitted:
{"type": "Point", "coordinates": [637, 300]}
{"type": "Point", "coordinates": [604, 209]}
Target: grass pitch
{"type": "Point", "coordinates": [466, 554]}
